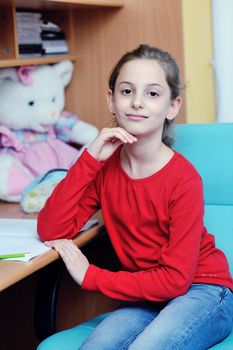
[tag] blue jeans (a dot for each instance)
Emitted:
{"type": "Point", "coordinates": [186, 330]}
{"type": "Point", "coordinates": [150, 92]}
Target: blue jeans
{"type": "Point", "coordinates": [196, 320]}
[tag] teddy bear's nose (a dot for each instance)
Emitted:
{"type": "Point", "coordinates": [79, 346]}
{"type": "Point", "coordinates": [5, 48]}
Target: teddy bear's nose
{"type": "Point", "coordinates": [53, 113]}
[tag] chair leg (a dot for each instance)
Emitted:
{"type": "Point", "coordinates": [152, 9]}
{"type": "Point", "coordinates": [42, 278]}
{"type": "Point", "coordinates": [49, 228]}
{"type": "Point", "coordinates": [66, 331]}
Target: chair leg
{"type": "Point", "coordinates": [46, 299]}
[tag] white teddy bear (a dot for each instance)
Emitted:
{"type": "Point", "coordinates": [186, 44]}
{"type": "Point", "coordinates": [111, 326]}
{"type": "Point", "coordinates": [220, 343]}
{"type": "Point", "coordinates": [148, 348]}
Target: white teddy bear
{"type": "Point", "coordinates": [34, 129]}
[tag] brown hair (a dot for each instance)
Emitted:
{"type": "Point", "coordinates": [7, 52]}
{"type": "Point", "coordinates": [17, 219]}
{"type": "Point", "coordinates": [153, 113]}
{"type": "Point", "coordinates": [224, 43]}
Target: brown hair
{"type": "Point", "coordinates": [170, 67]}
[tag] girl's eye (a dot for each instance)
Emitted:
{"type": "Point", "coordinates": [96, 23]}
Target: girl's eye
{"type": "Point", "coordinates": [31, 103]}
{"type": "Point", "coordinates": [53, 99]}
{"type": "Point", "coordinates": [126, 92]}
{"type": "Point", "coordinates": [153, 94]}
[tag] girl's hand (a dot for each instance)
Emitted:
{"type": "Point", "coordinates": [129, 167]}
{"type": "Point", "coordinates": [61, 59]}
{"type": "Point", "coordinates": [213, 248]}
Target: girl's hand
{"type": "Point", "coordinates": [76, 263]}
{"type": "Point", "coordinates": [107, 142]}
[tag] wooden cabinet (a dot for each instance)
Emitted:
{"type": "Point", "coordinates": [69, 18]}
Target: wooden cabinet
{"type": "Point", "coordinates": [60, 12]}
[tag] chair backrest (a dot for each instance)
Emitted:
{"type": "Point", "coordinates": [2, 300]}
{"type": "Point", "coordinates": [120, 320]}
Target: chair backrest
{"type": "Point", "coordinates": [209, 147]}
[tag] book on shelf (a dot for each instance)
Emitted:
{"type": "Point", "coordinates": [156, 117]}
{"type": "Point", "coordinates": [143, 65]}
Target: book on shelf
{"type": "Point", "coordinates": [54, 47]}
{"type": "Point", "coordinates": [19, 239]}
{"type": "Point", "coordinates": [37, 37]}
{"type": "Point", "coordinates": [30, 48]}
{"type": "Point", "coordinates": [53, 39]}
{"type": "Point", "coordinates": [29, 32]}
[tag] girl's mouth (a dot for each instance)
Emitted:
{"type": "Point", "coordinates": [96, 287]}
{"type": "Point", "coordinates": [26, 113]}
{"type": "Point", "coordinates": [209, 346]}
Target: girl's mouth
{"type": "Point", "coordinates": [136, 117]}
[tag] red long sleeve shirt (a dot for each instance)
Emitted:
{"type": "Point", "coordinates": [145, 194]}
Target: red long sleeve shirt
{"type": "Point", "coordinates": [155, 225]}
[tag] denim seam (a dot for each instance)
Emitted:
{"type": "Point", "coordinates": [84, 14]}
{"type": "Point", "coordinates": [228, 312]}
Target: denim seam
{"type": "Point", "coordinates": [211, 312]}
{"type": "Point", "coordinates": [130, 341]}
{"type": "Point", "coordinates": [223, 295]}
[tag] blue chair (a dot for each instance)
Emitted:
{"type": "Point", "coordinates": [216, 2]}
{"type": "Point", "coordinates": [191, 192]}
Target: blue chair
{"type": "Point", "coordinates": [210, 148]}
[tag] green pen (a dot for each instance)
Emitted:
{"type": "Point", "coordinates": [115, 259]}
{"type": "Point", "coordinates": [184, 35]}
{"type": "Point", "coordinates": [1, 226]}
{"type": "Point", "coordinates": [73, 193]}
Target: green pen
{"type": "Point", "coordinates": [9, 256]}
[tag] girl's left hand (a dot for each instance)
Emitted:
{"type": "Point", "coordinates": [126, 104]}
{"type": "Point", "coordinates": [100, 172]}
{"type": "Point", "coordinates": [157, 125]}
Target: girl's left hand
{"type": "Point", "coordinates": [76, 263]}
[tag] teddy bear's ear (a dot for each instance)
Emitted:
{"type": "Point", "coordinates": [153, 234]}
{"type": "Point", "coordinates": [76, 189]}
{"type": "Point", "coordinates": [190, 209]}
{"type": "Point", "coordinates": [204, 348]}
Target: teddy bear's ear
{"type": "Point", "coordinates": [64, 70]}
{"type": "Point", "coordinates": [8, 73]}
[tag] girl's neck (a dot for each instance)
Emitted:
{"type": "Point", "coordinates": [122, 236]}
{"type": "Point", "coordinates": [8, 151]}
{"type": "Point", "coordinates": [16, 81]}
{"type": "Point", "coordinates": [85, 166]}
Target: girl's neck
{"type": "Point", "coordinates": [144, 158]}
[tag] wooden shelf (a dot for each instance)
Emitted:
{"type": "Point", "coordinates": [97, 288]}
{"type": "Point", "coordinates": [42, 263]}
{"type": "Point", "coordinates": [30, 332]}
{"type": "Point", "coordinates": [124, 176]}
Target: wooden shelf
{"type": "Point", "coordinates": [103, 3]}
{"type": "Point", "coordinates": [36, 60]}
{"type": "Point", "coordinates": [58, 4]}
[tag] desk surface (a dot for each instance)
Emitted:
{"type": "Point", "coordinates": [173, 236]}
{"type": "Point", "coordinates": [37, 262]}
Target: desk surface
{"type": "Point", "coordinates": [14, 271]}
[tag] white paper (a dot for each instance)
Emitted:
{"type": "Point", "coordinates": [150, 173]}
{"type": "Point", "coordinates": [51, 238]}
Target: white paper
{"type": "Point", "coordinates": [20, 236]}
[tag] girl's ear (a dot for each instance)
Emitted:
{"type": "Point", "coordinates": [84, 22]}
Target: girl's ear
{"type": "Point", "coordinates": [174, 108]}
{"type": "Point", "coordinates": [110, 101]}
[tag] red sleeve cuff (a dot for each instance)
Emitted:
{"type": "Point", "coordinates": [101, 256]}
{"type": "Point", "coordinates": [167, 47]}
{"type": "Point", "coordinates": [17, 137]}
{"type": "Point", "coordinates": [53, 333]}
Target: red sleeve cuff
{"type": "Point", "coordinates": [87, 158]}
{"type": "Point", "coordinates": [90, 278]}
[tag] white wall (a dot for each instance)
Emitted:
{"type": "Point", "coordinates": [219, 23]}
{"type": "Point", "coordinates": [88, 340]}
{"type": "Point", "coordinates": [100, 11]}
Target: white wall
{"type": "Point", "coordinates": [222, 11]}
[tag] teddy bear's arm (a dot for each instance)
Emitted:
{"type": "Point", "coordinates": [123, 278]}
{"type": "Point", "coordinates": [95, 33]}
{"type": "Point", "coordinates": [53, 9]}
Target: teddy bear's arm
{"type": "Point", "coordinates": [83, 133]}
{"type": "Point", "coordinates": [70, 128]}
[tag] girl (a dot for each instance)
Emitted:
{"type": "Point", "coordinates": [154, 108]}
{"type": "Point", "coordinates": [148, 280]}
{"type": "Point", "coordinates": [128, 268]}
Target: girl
{"type": "Point", "coordinates": [175, 284]}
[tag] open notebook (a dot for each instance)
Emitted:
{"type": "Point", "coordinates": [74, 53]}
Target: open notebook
{"type": "Point", "coordinates": [19, 239]}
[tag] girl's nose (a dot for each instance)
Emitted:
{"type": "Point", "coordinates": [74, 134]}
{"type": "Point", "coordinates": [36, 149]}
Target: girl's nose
{"type": "Point", "coordinates": [137, 102]}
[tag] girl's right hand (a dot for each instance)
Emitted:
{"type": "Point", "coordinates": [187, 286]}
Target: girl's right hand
{"type": "Point", "coordinates": [107, 142]}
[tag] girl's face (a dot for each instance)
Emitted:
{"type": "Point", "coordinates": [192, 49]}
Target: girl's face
{"type": "Point", "coordinates": [141, 101]}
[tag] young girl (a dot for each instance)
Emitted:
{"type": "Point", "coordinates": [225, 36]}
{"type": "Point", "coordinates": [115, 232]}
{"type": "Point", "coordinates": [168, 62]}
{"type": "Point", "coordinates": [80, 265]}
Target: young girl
{"type": "Point", "coordinates": [175, 284]}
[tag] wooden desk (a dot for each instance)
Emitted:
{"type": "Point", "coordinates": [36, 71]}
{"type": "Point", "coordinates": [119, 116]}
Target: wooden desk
{"type": "Point", "coordinates": [14, 271]}
{"type": "Point", "coordinates": [19, 284]}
